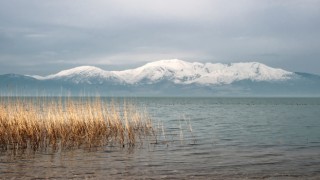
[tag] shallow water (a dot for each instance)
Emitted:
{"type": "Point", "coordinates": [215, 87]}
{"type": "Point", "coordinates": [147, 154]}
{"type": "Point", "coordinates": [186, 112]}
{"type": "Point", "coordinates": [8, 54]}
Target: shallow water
{"type": "Point", "coordinates": [199, 138]}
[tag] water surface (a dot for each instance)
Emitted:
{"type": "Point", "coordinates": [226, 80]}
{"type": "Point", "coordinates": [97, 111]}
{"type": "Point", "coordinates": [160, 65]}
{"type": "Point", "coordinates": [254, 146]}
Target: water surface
{"type": "Point", "coordinates": [200, 138]}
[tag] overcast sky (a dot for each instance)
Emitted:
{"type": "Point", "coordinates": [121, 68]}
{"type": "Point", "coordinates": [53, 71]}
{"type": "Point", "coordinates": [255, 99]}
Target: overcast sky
{"type": "Point", "coordinates": [43, 37]}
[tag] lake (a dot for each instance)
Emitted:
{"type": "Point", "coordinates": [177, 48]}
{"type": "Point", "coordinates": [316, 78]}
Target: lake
{"type": "Point", "coordinates": [197, 138]}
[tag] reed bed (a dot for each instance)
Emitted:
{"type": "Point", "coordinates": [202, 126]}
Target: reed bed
{"type": "Point", "coordinates": [42, 123]}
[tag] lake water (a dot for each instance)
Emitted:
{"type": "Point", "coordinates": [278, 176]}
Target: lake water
{"type": "Point", "coordinates": [198, 138]}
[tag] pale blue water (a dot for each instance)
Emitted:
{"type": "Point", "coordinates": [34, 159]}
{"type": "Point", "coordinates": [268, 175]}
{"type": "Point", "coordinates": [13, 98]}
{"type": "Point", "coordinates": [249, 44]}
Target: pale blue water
{"type": "Point", "coordinates": [231, 138]}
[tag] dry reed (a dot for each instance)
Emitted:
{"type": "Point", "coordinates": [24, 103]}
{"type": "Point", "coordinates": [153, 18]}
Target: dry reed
{"type": "Point", "coordinates": [42, 123]}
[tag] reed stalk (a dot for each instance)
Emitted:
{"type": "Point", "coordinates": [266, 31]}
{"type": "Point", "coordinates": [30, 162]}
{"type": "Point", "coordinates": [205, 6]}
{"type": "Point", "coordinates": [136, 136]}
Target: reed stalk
{"type": "Point", "coordinates": [42, 123]}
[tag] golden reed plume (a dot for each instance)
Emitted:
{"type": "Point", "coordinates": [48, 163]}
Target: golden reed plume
{"type": "Point", "coordinates": [41, 123]}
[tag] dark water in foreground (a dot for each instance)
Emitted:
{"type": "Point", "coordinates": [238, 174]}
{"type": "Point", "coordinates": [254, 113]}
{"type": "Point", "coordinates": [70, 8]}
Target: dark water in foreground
{"type": "Point", "coordinates": [202, 138]}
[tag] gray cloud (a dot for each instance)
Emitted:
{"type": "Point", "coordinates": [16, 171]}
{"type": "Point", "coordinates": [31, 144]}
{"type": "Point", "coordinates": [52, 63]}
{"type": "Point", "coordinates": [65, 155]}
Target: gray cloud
{"type": "Point", "coordinates": [42, 37]}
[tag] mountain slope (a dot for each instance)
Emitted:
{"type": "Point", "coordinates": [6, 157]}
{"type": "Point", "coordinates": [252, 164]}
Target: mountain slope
{"type": "Point", "coordinates": [82, 74]}
{"type": "Point", "coordinates": [175, 71]}
{"type": "Point", "coordinates": [167, 78]}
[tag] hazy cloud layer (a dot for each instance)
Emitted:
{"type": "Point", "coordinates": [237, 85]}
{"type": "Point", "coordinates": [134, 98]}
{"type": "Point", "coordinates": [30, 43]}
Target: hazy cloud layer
{"type": "Point", "coordinates": [42, 37]}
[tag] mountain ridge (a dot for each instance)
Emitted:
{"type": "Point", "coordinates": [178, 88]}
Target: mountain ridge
{"type": "Point", "coordinates": [166, 78]}
{"type": "Point", "coordinates": [177, 71]}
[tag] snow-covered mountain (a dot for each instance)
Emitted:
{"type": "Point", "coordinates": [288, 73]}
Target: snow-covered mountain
{"type": "Point", "coordinates": [175, 71]}
{"type": "Point", "coordinates": [167, 78]}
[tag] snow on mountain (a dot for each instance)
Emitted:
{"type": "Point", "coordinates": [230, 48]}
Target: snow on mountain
{"type": "Point", "coordinates": [176, 71]}
{"type": "Point", "coordinates": [155, 71]}
{"type": "Point", "coordinates": [82, 74]}
{"type": "Point", "coordinates": [181, 72]}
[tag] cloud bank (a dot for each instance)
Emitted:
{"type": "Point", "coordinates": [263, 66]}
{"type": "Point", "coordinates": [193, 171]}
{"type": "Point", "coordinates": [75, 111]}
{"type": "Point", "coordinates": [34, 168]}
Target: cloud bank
{"type": "Point", "coordinates": [42, 37]}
